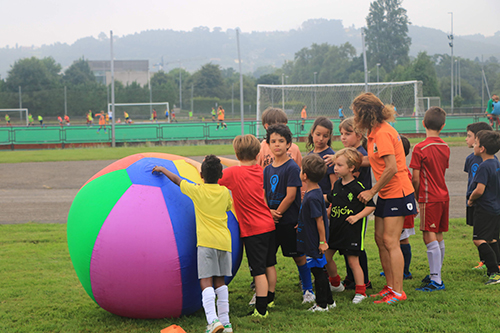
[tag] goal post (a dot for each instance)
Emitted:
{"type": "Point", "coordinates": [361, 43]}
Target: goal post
{"type": "Point", "coordinates": [17, 116]}
{"type": "Point", "coordinates": [326, 99]}
{"type": "Point", "coordinates": [428, 102]}
{"type": "Point", "coordinates": [141, 111]}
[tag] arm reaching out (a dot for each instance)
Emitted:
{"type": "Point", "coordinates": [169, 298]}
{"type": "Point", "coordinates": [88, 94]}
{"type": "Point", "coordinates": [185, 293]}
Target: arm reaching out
{"type": "Point", "coordinates": [173, 177]}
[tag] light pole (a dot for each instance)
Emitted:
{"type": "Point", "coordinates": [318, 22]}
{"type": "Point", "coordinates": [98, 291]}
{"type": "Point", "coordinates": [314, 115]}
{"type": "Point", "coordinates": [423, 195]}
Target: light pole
{"type": "Point", "coordinates": [315, 111]}
{"type": "Point", "coordinates": [450, 37]}
{"type": "Point", "coordinates": [378, 65]}
{"type": "Point", "coordinates": [283, 91]}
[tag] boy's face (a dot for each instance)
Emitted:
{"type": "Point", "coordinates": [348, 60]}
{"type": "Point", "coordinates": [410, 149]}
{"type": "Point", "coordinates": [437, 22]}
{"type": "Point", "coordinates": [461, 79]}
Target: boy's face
{"type": "Point", "coordinates": [478, 150]}
{"type": "Point", "coordinates": [470, 139]}
{"type": "Point", "coordinates": [341, 168]}
{"type": "Point", "coordinates": [278, 145]}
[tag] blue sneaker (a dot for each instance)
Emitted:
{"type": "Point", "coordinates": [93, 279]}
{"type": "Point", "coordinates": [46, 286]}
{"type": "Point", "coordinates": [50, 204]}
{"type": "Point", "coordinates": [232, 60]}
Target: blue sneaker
{"type": "Point", "coordinates": [407, 276]}
{"type": "Point", "coordinates": [432, 286]}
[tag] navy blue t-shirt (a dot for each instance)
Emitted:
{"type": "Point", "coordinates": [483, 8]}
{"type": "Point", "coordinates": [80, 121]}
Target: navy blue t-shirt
{"type": "Point", "coordinates": [365, 173]}
{"type": "Point", "coordinates": [471, 164]}
{"type": "Point", "coordinates": [325, 183]}
{"type": "Point", "coordinates": [488, 173]}
{"type": "Point", "coordinates": [276, 181]}
{"type": "Point", "coordinates": [313, 206]}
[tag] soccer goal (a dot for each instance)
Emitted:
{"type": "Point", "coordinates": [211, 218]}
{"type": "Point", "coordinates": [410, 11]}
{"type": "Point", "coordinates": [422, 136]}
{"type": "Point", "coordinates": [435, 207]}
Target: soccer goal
{"type": "Point", "coordinates": [326, 99]}
{"type": "Point", "coordinates": [141, 112]}
{"type": "Point", "coordinates": [17, 116]}
{"type": "Point", "coordinates": [428, 102]}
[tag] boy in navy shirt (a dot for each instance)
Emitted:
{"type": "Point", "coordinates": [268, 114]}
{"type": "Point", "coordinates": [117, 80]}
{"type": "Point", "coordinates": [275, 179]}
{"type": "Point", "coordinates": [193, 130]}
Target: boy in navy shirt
{"type": "Point", "coordinates": [485, 194]}
{"type": "Point", "coordinates": [282, 192]}
{"type": "Point", "coordinates": [312, 231]}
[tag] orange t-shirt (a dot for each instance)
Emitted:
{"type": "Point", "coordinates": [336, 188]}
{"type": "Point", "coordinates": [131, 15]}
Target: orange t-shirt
{"type": "Point", "coordinates": [266, 157]}
{"type": "Point", "coordinates": [102, 120]}
{"type": "Point", "coordinates": [221, 114]}
{"type": "Point", "coordinates": [303, 114]}
{"type": "Point", "coordinates": [384, 140]}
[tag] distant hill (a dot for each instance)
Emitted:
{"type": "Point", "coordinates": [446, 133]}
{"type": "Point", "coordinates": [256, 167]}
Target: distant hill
{"type": "Point", "coordinates": [200, 46]}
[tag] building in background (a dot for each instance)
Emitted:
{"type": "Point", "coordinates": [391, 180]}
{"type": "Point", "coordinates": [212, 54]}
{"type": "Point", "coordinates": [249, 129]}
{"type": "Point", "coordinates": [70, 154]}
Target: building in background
{"type": "Point", "coordinates": [126, 71]}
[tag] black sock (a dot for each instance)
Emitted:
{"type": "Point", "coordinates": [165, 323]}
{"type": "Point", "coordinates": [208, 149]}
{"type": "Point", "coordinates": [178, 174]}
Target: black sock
{"type": "Point", "coordinates": [261, 305]}
{"type": "Point", "coordinates": [490, 259]}
{"type": "Point", "coordinates": [363, 262]}
{"type": "Point", "coordinates": [270, 296]}
{"type": "Point", "coordinates": [494, 246]}
{"type": "Point", "coordinates": [323, 293]}
{"type": "Point", "coordinates": [406, 249]}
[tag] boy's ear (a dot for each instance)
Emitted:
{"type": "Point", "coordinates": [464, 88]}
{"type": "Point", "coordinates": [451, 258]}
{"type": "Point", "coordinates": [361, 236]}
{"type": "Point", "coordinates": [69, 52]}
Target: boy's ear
{"type": "Point", "coordinates": [201, 175]}
{"type": "Point", "coordinates": [442, 127]}
{"type": "Point", "coordinates": [266, 126]}
{"type": "Point", "coordinates": [288, 145]}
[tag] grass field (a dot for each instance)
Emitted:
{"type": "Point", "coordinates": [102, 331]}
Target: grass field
{"type": "Point", "coordinates": [90, 154]}
{"type": "Point", "coordinates": [40, 292]}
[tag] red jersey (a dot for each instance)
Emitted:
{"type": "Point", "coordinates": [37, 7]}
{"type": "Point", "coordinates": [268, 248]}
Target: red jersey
{"type": "Point", "coordinates": [247, 187]}
{"type": "Point", "coordinates": [431, 157]}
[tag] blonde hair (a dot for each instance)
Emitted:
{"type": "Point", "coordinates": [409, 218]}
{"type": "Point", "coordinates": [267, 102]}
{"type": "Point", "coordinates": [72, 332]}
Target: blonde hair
{"type": "Point", "coordinates": [352, 156]}
{"type": "Point", "coordinates": [272, 116]}
{"type": "Point", "coordinates": [369, 111]}
{"type": "Point", "coordinates": [246, 147]}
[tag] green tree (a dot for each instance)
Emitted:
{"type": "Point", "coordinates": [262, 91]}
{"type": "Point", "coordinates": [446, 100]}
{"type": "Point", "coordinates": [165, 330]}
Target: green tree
{"type": "Point", "coordinates": [387, 37]}
{"type": "Point", "coordinates": [34, 74]}
{"type": "Point", "coordinates": [79, 73]}
{"type": "Point", "coordinates": [208, 81]}
{"type": "Point", "coordinates": [420, 69]}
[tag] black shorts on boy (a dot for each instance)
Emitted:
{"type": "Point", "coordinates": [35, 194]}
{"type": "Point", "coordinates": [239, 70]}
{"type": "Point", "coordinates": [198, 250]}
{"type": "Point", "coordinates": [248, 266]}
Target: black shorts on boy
{"type": "Point", "coordinates": [261, 253]}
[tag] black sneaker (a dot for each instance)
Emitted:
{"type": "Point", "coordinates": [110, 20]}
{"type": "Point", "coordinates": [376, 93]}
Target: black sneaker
{"type": "Point", "coordinates": [349, 285]}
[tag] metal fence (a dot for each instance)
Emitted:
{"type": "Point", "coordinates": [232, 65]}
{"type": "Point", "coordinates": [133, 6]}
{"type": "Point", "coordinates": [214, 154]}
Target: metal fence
{"type": "Point", "coordinates": [164, 132]}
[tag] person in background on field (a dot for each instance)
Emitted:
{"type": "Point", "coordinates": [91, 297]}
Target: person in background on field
{"type": "Point", "coordinates": [485, 194]}
{"type": "Point", "coordinates": [220, 117]}
{"type": "Point", "coordinates": [7, 120]}
{"type": "Point", "coordinates": [40, 119]}
{"type": "Point", "coordinates": [312, 230]}
{"type": "Point", "coordinates": [303, 116]}
{"type": "Point", "coordinates": [173, 116]}
{"type": "Point", "coordinates": [396, 197]}
{"type": "Point", "coordinates": [66, 119]}
{"type": "Point", "coordinates": [341, 114]}
{"type": "Point", "coordinates": [211, 202]}
{"type": "Point", "coordinates": [127, 118]}
{"type": "Point", "coordinates": [102, 121]}
{"type": "Point", "coordinates": [166, 114]}
{"type": "Point", "coordinates": [489, 109]}
{"type": "Point", "coordinates": [90, 119]}
{"type": "Point", "coordinates": [30, 120]}
{"type": "Point", "coordinates": [472, 162]}
{"type": "Point", "coordinates": [190, 115]}
{"type": "Point", "coordinates": [59, 118]}
{"type": "Point", "coordinates": [110, 116]}
{"type": "Point", "coordinates": [154, 116]}
{"type": "Point", "coordinates": [348, 219]}
{"type": "Point", "coordinates": [213, 114]}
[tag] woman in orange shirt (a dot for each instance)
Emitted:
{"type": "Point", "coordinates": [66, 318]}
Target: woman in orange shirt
{"type": "Point", "coordinates": [303, 116]}
{"type": "Point", "coordinates": [394, 189]}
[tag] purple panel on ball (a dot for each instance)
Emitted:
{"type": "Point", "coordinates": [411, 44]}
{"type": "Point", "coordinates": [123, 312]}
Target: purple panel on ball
{"type": "Point", "coordinates": [135, 269]}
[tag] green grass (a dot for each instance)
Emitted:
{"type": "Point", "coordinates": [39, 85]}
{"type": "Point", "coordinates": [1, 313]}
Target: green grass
{"type": "Point", "coordinates": [40, 292]}
{"type": "Point", "coordinates": [88, 154]}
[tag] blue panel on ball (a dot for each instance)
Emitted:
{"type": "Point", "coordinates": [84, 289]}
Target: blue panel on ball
{"type": "Point", "coordinates": [236, 244]}
{"type": "Point", "coordinates": [140, 171]}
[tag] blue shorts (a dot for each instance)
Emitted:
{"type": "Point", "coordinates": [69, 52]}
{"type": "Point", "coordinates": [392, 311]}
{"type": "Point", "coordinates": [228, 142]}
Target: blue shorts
{"type": "Point", "coordinates": [316, 262]}
{"type": "Point", "coordinates": [396, 207]}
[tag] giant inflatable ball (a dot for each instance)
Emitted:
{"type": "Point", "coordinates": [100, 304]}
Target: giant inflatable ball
{"type": "Point", "coordinates": [132, 239]}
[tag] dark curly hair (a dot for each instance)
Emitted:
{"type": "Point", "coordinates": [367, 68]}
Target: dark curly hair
{"type": "Point", "coordinates": [369, 111]}
{"type": "Point", "coordinates": [211, 169]}
{"type": "Point", "coordinates": [280, 129]}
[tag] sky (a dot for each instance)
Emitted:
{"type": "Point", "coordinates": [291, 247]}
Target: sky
{"type": "Point", "coordinates": [35, 22]}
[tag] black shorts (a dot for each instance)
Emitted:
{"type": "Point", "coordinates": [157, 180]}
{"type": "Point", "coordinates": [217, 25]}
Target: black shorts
{"type": "Point", "coordinates": [286, 237]}
{"type": "Point", "coordinates": [486, 226]}
{"type": "Point", "coordinates": [396, 206]}
{"type": "Point", "coordinates": [469, 215]}
{"type": "Point", "coordinates": [260, 250]}
{"type": "Point", "coordinates": [348, 252]}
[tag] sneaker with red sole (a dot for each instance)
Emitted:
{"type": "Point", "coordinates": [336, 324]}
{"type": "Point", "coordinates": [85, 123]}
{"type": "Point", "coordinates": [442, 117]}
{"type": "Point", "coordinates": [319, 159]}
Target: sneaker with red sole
{"type": "Point", "coordinates": [391, 298]}
{"type": "Point", "coordinates": [381, 293]}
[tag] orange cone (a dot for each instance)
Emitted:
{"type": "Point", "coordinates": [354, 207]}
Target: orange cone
{"type": "Point", "coordinates": [173, 329]}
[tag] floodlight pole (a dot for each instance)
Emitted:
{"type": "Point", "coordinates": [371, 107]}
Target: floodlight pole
{"type": "Point", "coordinates": [20, 98]}
{"type": "Point", "coordinates": [283, 91]}
{"type": "Point", "coordinates": [241, 83]}
{"type": "Point", "coordinates": [364, 58]}
{"type": "Point", "coordinates": [113, 114]}
{"type": "Point", "coordinates": [180, 87]}
{"type": "Point", "coordinates": [450, 37]}
{"type": "Point", "coordinates": [65, 102]}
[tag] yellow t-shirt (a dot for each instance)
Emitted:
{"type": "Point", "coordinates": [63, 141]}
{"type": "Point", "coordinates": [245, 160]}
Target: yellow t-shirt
{"type": "Point", "coordinates": [211, 202]}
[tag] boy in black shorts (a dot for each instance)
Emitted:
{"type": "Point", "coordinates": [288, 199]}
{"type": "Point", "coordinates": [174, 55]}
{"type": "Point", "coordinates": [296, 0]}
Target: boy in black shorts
{"type": "Point", "coordinates": [484, 197]}
{"type": "Point", "coordinates": [282, 192]}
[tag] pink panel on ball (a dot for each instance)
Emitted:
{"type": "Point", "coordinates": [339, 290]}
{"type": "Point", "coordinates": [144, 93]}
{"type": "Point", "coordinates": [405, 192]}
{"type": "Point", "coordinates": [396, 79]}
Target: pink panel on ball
{"type": "Point", "coordinates": [135, 270]}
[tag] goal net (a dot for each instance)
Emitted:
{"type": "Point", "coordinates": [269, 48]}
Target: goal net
{"type": "Point", "coordinates": [428, 102]}
{"type": "Point", "coordinates": [18, 117]}
{"type": "Point", "coordinates": [141, 112]}
{"type": "Point", "coordinates": [326, 99]}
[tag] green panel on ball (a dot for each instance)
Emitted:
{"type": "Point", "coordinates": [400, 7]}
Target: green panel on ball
{"type": "Point", "coordinates": [89, 210]}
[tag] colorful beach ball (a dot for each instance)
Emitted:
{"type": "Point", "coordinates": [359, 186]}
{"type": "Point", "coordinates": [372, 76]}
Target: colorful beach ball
{"type": "Point", "coordinates": [132, 239]}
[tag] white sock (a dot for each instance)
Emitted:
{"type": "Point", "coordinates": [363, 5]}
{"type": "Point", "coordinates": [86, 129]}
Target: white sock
{"type": "Point", "coordinates": [441, 247]}
{"type": "Point", "coordinates": [223, 304]}
{"type": "Point", "coordinates": [434, 258]}
{"type": "Point", "coordinates": [208, 300]}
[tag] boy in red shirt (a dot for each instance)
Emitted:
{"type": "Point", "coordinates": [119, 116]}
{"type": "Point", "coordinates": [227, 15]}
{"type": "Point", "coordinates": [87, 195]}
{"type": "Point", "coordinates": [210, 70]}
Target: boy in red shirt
{"type": "Point", "coordinates": [429, 162]}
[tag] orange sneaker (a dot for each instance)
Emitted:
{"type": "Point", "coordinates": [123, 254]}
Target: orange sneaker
{"type": "Point", "coordinates": [381, 293]}
{"type": "Point", "coordinates": [391, 298]}
{"type": "Point", "coordinates": [480, 265]}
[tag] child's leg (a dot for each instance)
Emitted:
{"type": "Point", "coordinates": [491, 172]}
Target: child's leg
{"type": "Point", "coordinates": [261, 291]}
{"type": "Point", "coordinates": [489, 256]}
{"type": "Point", "coordinates": [272, 279]}
{"type": "Point", "coordinates": [222, 300]}
{"type": "Point", "coordinates": [304, 272]}
{"type": "Point", "coordinates": [382, 251]}
{"type": "Point", "coordinates": [440, 240]}
{"type": "Point", "coordinates": [494, 246]}
{"type": "Point", "coordinates": [323, 293]}
{"type": "Point", "coordinates": [433, 255]}
{"type": "Point", "coordinates": [406, 249]}
{"type": "Point", "coordinates": [331, 268]}
{"type": "Point", "coordinates": [208, 299]}
{"type": "Point", "coordinates": [358, 274]}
